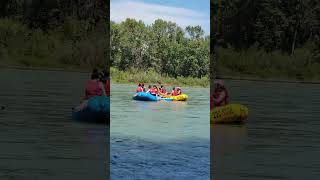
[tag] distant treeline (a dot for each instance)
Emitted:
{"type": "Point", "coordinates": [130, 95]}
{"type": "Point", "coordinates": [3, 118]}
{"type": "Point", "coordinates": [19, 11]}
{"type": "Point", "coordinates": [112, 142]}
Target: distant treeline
{"type": "Point", "coordinates": [162, 46]}
{"type": "Point", "coordinates": [266, 38]}
{"type": "Point", "coordinates": [54, 33]}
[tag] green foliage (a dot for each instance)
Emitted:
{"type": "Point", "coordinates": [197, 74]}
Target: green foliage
{"type": "Point", "coordinates": [162, 46]}
{"type": "Point", "coordinates": [266, 38]}
{"type": "Point", "coordinates": [136, 76]}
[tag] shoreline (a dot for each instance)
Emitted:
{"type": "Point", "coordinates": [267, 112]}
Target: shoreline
{"type": "Point", "coordinates": [239, 78]}
{"type": "Point", "coordinates": [280, 80]}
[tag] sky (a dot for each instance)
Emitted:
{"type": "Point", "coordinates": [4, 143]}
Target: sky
{"type": "Point", "coordinates": [182, 12]}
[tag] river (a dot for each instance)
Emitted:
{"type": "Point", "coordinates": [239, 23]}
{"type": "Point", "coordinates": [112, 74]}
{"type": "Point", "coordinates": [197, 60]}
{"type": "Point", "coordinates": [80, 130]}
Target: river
{"type": "Point", "coordinates": [39, 140]}
{"type": "Point", "coordinates": [280, 139]}
{"type": "Point", "coordinates": [159, 140]}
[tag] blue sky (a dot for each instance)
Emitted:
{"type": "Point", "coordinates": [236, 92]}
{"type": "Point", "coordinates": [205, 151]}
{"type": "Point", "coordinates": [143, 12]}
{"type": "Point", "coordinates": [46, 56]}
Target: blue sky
{"type": "Point", "coordinates": [182, 12]}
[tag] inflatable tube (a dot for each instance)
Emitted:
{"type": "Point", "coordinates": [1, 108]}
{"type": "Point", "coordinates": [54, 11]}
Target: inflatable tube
{"type": "Point", "coordinates": [231, 113]}
{"type": "Point", "coordinates": [143, 96]}
{"type": "Point", "coordinates": [97, 110]}
{"type": "Point", "coordinates": [181, 97]}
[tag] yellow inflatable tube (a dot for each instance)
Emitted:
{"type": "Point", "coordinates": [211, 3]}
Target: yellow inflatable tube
{"type": "Point", "coordinates": [231, 113]}
{"type": "Point", "coordinates": [181, 97]}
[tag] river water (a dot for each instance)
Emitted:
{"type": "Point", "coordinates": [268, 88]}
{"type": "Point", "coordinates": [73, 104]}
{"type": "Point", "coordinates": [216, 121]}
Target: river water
{"type": "Point", "coordinates": [38, 138]}
{"type": "Point", "coordinates": [280, 139]}
{"type": "Point", "coordinates": [159, 140]}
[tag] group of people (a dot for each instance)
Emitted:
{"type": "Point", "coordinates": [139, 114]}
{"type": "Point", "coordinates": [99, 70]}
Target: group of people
{"type": "Point", "coordinates": [219, 96]}
{"type": "Point", "coordinates": [162, 91]}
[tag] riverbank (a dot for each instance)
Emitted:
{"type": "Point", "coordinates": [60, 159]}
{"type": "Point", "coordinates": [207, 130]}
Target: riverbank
{"type": "Point", "coordinates": [258, 65]}
{"type": "Point", "coordinates": [135, 76]}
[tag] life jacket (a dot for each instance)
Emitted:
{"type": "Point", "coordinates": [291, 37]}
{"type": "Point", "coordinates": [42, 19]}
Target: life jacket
{"type": "Point", "coordinates": [93, 89]}
{"type": "Point", "coordinates": [153, 91]}
{"type": "Point", "coordinates": [163, 91]}
{"type": "Point", "coordinates": [225, 100]}
{"type": "Point", "coordinates": [139, 89]}
{"type": "Point", "coordinates": [174, 93]}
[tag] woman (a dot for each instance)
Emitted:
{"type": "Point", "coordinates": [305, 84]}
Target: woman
{"type": "Point", "coordinates": [174, 92]}
{"type": "Point", "coordinates": [94, 87]}
{"type": "Point", "coordinates": [139, 88]}
{"type": "Point", "coordinates": [179, 92]}
{"type": "Point", "coordinates": [163, 90]}
{"type": "Point", "coordinates": [220, 95]}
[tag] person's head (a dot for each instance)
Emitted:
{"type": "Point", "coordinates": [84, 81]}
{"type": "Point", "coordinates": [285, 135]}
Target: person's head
{"type": "Point", "coordinates": [142, 85]}
{"type": "Point", "coordinates": [161, 86]}
{"type": "Point", "coordinates": [139, 85]}
{"type": "Point", "coordinates": [95, 70]}
{"type": "Point", "coordinates": [149, 86]}
{"type": "Point", "coordinates": [173, 88]}
{"type": "Point", "coordinates": [154, 86]}
{"type": "Point", "coordinates": [95, 75]}
{"type": "Point", "coordinates": [219, 85]}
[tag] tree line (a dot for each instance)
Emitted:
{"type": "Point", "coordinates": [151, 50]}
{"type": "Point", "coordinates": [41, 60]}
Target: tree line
{"type": "Point", "coordinates": [54, 33]}
{"type": "Point", "coordinates": [288, 28]}
{"type": "Point", "coordinates": [162, 46]}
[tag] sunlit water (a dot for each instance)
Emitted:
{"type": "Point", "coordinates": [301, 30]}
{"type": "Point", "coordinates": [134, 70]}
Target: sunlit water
{"type": "Point", "coordinates": [280, 139]}
{"type": "Point", "coordinates": [38, 138]}
{"type": "Point", "coordinates": [159, 140]}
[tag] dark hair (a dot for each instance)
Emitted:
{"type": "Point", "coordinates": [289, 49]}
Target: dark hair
{"type": "Point", "coordinates": [161, 86]}
{"type": "Point", "coordinates": [95, 75]}
{"type": "Point", "coordinates": [139, 84]}
{"type": "Point", "coordinates": [173, 88]}
{"type": "Point", "coordinates": [149, 86]}
{"type": "Point", "coordinates": [142, 85]}
{"type": "Point", "coordinates": [95, 70]}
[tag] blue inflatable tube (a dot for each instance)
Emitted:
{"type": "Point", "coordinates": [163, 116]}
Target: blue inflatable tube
{"type": "Point", "coordinates": [97, 110]}
{"type": "Point", "coordinates": [143, 96]}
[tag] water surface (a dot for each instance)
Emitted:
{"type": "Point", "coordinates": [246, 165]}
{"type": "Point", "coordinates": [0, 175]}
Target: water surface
{"type": "Point", "coordinates": [38, 138]}
{"type": "Point", "coordinates": [280, 139]}
{"type": "Point", "coordinates": [159, 140]}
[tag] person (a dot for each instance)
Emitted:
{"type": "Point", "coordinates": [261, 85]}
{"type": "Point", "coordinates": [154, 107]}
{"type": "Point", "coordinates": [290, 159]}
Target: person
{"type": "Point", "coordinates": [163, 90]}
{"type": "Point", "coordinates": [174, 92]}
{"type": "Point", "coordinates": [139, 88]}
{"type": "Point", "coordinates": [149, 89]}
{"type": "Point", "coordinates": [143, 88]}
{"type": "Point", "coordinates": [179, 91]}
{"type": "Point", "coordinates": [94, 87]}
{"type": "Point", "coordinates": [155, 90]}
{"type": "Point", "coordinates": [220, 95]}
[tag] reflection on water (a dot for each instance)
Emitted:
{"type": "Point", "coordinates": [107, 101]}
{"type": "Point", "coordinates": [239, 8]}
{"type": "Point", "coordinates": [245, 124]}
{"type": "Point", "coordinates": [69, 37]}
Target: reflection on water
{"type": "Point", "coordinates": [159, 140]}
{"type": "Point", "coordinates": [280, 138]}
{"type": "Point", "coordinates": [39, 140]}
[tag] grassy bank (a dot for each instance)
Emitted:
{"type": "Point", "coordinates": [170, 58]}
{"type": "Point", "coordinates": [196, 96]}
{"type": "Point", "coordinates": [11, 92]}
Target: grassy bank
{"type": "Point", "coordinates": [68, 46]}
{"type": "Point", "coordinates": [259, 65]}
{"type": "Point", "coordinates": [135, 76]}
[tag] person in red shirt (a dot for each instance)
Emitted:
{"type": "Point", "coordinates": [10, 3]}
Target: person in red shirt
{"type": "Point", "coordinates": [174, 92]}
{"type": "Point", "coordinates": [139, 88]}
{"type": "Point", "coordinates": [155, 90]}
{"type": "Point", "coordinates": [163, 90]}
{"type": "Point", "coordinates": [150, 89]}
{"type": "Point", "coordinates": [94, 87]}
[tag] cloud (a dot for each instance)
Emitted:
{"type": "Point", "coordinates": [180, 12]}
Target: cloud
{"type": "Point", "coordinates": [148, 13]}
